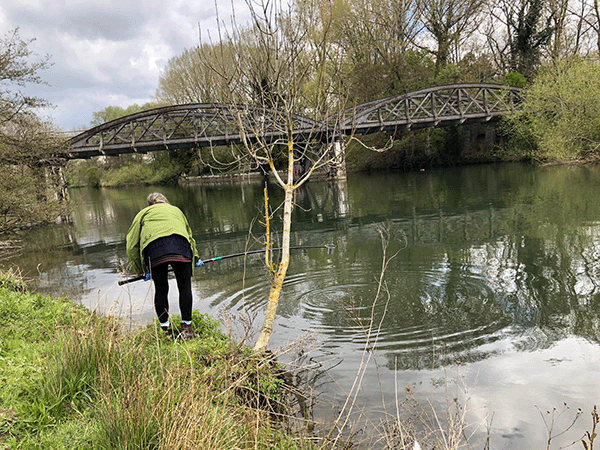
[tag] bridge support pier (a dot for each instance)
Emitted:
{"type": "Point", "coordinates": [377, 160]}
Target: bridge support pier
{"type": "Point", "coordinates": [56, 188]}
{"type": "Point", "coordinates": [56, 181]}
{"type": "Point", "coordinates": [337, 160]}
{"type": "Point", "coordinates": [480, 138]}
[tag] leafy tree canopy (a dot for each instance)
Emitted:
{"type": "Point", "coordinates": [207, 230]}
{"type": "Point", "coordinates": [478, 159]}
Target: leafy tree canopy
{"type": "Point", "coordinates": [561, 114]}
{"type": "Point", "coordinates": [27, 192]}
{"type": "Point", "coordinates": [115, 112]}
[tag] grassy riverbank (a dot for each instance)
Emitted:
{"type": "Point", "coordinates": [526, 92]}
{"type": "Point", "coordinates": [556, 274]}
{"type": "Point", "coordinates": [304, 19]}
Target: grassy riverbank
{"type": "Point", "coordinates": [70, 379]}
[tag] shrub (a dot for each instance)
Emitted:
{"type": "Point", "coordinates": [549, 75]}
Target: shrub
{"type": "Point", "coordinates": [92, 175]}
{"type": "Point", "coordinates": [560, 120]}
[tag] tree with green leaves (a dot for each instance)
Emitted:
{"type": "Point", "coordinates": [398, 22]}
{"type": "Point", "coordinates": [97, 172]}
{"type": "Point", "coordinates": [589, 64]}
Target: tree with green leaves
{"type": "Point", "coordinates": [560, 120]}
{"type": "Point", "coordinates": [116, 112]}
{"type": "Point", "coordinates": [30, 192]}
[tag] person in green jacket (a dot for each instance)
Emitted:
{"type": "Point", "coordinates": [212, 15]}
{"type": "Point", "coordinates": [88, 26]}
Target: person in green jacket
{"type": "Point", "coordinates": [160, 236]}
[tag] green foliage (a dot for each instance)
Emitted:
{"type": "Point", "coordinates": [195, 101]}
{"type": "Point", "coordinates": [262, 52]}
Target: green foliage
{"type": "Point", "coordinates": [185, 159]}
{"type": "Point", "coordinates": [206, 326]}
{"type": "Point", "coordinates": [25, 191]}
{"type": "Point", "coordinates": [221, 159]}
{"type": "Point", "coordinates": [516, 79]}
{"type": "Point", "coordinates": [477, 68]}
{"type": "Point", "coordinates": [93, 176]}
{"type": "Point", "coordinates": [25, 199]}
{"type": "Point", "coordinates": [154, 169]}
{"type": "Point", "coordinates": [116, 112]}
{"type": "Point", "coordinates": [409, 151]}
{"type": "Point", "coordinates": [529, 36]}
{"type": "Point", "coordinates": [561, 116]}
{"type": "Point", "coordinates": [449, 74]}
{"type": "Point", "coordinates": [24, 346]}
{"type": "Point", "coordinates": [72, 380]}
{"type": "Point", "coordinates": [188, 78]}
{"type": "Point", "coordinates": [17, 70]}
{"type": "Point", "coordinates": [145, 173]}
{"type": "Point", "coordinates": [11, 281]}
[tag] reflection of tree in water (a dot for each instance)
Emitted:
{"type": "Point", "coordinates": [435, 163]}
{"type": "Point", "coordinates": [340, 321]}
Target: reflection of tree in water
{"type": "Point", "coordinates": [45, 260]}
{"type": "Point", "coordinates": [494, 255]}
{"type": "Point", "coordinates": [530, 290]}
{"type": "Point", "coordinates": [327, 199]}
{"type": "Point", "coordinates": [518, 269]}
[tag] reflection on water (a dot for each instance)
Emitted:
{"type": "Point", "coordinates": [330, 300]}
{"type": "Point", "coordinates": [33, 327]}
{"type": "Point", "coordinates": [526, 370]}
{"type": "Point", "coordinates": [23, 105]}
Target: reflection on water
{"type": "Point", "coordinates": [498, 269]}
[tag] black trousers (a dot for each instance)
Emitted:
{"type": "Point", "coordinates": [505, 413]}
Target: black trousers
{"type": "Point", "coordinates": [183, 275]}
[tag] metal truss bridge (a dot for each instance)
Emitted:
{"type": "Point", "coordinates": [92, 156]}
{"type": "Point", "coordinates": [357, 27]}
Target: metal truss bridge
{"type": "Point", "coordinates": [202, 125]}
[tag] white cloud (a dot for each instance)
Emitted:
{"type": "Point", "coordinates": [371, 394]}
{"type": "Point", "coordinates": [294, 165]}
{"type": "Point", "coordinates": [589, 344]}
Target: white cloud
{"type": "Point", "coordinates": [108, 53]}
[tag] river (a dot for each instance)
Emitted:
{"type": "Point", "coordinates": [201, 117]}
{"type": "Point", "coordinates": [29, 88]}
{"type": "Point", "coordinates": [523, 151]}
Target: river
{"type": "Point", "coordinates": [494, 283]}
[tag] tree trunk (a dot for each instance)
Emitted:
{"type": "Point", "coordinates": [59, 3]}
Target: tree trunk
{"type": "Point", "coordinates": [279, 276]}
{"type": "Point", "coordinates": [597, 14]}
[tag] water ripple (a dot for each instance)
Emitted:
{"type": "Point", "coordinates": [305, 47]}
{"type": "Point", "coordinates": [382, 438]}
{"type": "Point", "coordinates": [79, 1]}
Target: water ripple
{"type": "Point", "coordinates": [460, 310]}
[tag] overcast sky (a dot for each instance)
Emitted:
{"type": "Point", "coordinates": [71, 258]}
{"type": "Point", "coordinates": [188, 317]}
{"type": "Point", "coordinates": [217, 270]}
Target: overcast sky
{"type": "Point", "coordinates": [108, 52]}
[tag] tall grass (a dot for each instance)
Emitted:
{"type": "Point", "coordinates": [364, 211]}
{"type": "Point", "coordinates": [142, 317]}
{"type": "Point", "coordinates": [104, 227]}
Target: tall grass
{"type": "Point", "coordinates": [74, 380]}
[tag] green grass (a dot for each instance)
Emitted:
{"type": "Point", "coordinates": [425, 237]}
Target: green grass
{"type": "Point", "coordinates": [71, 379]}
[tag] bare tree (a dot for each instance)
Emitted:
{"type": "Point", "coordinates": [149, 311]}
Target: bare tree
{"type": "Point", "coordinates": [587, 13]}
{"type": "Point", "coordinates": [378, 43]}
{"type": "Point", "coordinates": [450, 22]}
{"type": "Point", "coordinates": [560, 40]}
{"type": "Point", "coordinates": [596, 22]}
{"type": "Point", "coordinates": [283, 72]}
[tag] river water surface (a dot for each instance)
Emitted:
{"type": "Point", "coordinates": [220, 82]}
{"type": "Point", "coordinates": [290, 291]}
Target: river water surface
{"type": "Point", "coordinates": [496, 279]}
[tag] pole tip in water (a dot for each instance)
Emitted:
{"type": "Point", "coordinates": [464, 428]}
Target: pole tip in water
{"type": "Point", "coordinates": [330, 249]}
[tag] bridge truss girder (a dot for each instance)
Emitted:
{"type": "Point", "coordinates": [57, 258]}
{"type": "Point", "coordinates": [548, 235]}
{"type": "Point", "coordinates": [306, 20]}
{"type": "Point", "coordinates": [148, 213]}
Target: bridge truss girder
{"type": "Point", "coordinates": [433, 107]}
{"type": "Point", "coordinates": [186, 126]}
{"type": "Point", "coordinates": [202, 125]}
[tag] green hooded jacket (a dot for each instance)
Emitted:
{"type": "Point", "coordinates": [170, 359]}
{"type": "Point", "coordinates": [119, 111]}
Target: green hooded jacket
{"type": "Point", "coordinates": [153, 222]}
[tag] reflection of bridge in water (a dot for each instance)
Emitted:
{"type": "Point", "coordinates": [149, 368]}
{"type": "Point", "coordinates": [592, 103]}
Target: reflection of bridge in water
{"type": "Point", "coordinates": [474, 225]}
{"type": "Point", "coordinates": [202, 125]}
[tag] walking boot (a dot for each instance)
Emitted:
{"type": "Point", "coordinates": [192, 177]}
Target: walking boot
{"type": "Point", "coordinates": [166, 328]}
{"type": "Point", "coordinates": [187, 332]}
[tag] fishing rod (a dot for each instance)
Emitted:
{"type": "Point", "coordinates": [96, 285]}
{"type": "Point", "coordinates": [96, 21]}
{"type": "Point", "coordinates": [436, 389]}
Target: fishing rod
{"type": "Point", "coordinates": [330, 249]}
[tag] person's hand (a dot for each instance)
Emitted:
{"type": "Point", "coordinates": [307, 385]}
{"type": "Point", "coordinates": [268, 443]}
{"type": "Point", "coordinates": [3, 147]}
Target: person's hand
{"type": "Point", "coordinates": [200, 263]}
{"type": "Point", "coordinates": [147, 277]}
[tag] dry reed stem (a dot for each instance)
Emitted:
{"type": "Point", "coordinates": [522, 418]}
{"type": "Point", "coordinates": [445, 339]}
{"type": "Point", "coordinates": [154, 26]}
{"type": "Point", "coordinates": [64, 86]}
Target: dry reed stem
{"type": "Point", "coordinates": [372, 336]}
{"type": "Point", "coordinates": [10, 248]}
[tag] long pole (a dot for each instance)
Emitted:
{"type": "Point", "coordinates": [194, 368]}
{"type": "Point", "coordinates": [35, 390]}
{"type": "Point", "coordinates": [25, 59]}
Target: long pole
{"type": "Point", "coordinates": [330, 249]}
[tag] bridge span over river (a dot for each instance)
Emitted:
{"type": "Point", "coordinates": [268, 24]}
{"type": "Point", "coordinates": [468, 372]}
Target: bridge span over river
{"type": "Point", "coordinates": [208, 124]}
